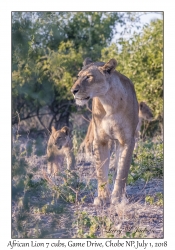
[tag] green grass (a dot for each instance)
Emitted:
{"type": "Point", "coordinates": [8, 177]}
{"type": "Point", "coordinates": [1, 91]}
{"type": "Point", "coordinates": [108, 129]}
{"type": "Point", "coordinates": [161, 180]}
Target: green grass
{"type": "Point", "coordinates": [147, 162]}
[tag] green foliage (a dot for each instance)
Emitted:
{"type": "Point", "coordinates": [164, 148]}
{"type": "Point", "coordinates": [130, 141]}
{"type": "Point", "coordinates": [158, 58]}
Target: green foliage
{"type": "Point", "coordinates": [48, 49]}
{"type": "Point", "coordinates": [69, 186]}
{"type": "Point", "coordinates": [148, 162]}
{"type": "Point", "coordinates": [157, 199]}
{"type": "Point", "coordinates": [35, 185]}
{"type": "Point", "coordinates": [89, 226]}
{"type": "Point", "coordinates": [141, 59]}
{"type": "Point", "coordinates": [110, 178]}
{"type": "Point", "coordinates": [149, 199]}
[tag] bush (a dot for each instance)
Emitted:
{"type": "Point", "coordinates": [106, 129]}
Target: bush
{"type": "Point", "coordinates": [147, 162]}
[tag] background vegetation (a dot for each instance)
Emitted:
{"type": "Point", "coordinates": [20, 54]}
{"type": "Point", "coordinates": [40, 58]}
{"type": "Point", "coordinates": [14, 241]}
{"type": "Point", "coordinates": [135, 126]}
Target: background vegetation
{"type": "Point", "coordinates": [47, 52]}
{"type": "Point", "coordinates": [48, 49]}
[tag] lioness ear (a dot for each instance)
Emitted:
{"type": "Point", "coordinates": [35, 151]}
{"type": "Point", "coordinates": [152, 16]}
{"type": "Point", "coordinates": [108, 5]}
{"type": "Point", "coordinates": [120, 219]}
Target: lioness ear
{"type": "Point", "coordinates": [87, 61]}
{"type": "Point", "coordinates": [65, 129]}
{"type": "Point", "coordinates": [141, 105]}
{"type": "Point", "coordinates": [53, 129]}
{"type": "Point", "coordinates": [110, 66]}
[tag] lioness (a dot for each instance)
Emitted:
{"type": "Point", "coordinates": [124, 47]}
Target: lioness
{"type": "Point", "coordinates": [59, 146]}
{"type": "Point", "coordinates": [114, 116]}
{"type": "Point", "coordinates": [144, 114]}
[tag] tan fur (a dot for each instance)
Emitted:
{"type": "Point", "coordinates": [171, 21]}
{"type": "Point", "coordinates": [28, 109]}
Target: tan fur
{"type": "Point", "coordinates": [59, 147]}
{"type": "Point", "coordinates": [86, 145]}
{"type": "Point", "coordinates": [114, 116]}
{"type": "Point", "coordinates": [144, 114]}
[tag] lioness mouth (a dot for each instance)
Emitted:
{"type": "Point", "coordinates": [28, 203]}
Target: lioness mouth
{"type": "Point", "coordinates": [83, 98]}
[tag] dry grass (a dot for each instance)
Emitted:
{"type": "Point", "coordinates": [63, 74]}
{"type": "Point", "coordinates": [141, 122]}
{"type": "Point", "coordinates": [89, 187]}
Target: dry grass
{"type": "Point", "coordinates": [40, 210]}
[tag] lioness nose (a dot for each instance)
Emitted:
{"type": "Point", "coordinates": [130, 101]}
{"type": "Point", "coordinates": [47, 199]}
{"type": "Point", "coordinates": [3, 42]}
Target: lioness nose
{"type": "Point", "coordinates": [74, 91]}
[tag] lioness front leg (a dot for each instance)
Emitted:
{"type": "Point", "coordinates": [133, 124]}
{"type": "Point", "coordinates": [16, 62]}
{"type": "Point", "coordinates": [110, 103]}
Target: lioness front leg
{"type": "Point", "coordinates": [102, 156]}
{"type": "Point", "coordinates": [124, 161]}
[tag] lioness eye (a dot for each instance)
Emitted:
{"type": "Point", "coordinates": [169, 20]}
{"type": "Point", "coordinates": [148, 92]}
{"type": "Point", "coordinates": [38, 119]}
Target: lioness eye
{"type": "Point", "coordinates": [88, 76]}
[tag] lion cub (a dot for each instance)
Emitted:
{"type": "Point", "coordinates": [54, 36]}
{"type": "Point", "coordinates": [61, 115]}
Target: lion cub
{"type": "Point", "coordinates": [59, 146]}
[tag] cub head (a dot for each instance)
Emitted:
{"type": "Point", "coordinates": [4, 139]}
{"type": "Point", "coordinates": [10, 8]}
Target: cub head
{"type": "Point", "coordinates": [144, 111]}
{"type": "Point", "coordinates": [60, 137]}
{"type": "Point", "coordinates": [93, 80]}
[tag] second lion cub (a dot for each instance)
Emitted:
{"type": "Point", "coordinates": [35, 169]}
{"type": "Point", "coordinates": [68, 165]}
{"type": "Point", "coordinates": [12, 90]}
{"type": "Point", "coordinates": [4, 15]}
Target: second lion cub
{"type": "Point", "coordinates": [59, 147]}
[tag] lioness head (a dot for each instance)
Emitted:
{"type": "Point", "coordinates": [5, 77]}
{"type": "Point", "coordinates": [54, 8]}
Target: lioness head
{"type": "Point", "coordinates": [60, 138]}
{"type": "Point", "coordinates": [145, 111]}
{"type": "Point", "coordinates": [92, 80]}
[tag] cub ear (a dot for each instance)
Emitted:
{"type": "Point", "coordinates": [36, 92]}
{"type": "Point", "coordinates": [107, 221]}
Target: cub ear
{"type": "Point", "coordinates": [53, 129]}
{"type": "Point", "coordinates": [65, 129]}
{"type": "Point", "coordinates": [87, 61]}
{"type": "Point", "coordinates": [109, 66]}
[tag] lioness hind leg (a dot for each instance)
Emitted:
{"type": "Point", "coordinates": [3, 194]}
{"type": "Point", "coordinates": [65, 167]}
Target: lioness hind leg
{"type": "Point", "coordinates": [124, 161]}
{"type": "Point", "coordinates": [102, 156]}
